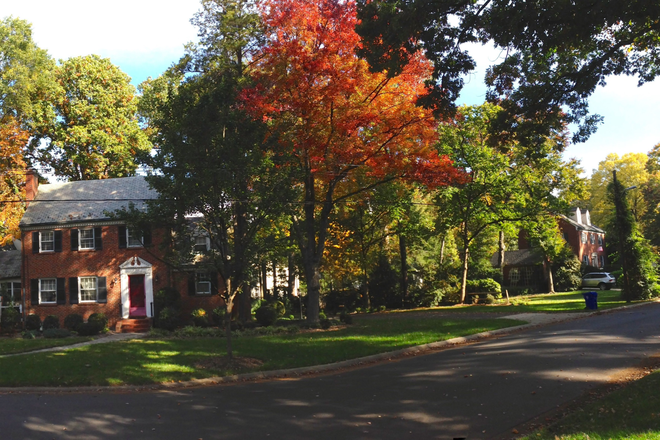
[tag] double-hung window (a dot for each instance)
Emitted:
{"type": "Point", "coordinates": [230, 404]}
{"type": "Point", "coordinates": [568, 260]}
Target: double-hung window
{"type": "Point", "coordinates": [47, 241]}
{"type": "Point", "coordinates": [203, 284]}
{"type": "Point", "coordinates": [592, 238]}
{"type": "Point", "coordinates": [201, 244]}
{"type": "Point", "coordinates": [133, 239]}
{"type": "Point", "coordinates": [11, 292]}
{"type": "Point", "coordinates": [48, 291]}
{"type": "Point", "coordinates": [600, 240]}
{"type": "Point", "coordinates": [88, 289]}
{"type": "Point", "coordinates": [584, 237]}
{"type": "Point", "coordinates": [86, 237]}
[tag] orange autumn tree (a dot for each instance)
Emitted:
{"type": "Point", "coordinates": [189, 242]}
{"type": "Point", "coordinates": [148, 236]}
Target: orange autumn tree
{"type": "Point", "coordinates": [332, 117]}
{"type": "Point", "coordinates": [12, 179]}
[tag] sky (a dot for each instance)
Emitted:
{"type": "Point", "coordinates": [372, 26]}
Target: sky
{"type": "Point", "coordinates": [144, 37]}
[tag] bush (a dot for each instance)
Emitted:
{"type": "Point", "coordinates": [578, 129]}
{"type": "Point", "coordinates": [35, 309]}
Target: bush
{"type": "Point", "coordinates": [197, 332]}
{"type": "Point", "coordinates": [325, 323]}
{"type": "Point", "coordinates": [98, 319]}
{"type": "Point", "coordinates": [346, 318]}
{"type": "Point", "coordinates": [167, 297]}
{"type": "Point", "coordinates": [33, 322]}
{"type": "Point", "coordinates": [88, 328]}
{"type": "Point", "coordinates": [56, 333]}
{"type": "Point", "coordinates": [218, 315]}
{"type": "Point", "coordinates": [266, 315]}
{"type": "Point", "coordinates": [279, 307]}
{"type": "Point", "coordinates": [11, 319]}
{"type": "Point", "coordinates": [72, 321]}
{"type": "Point", "coordinates": [168, 318]}
{"type": "Point", "coordinates": [199, 318]}
{"type": "Point", "coordinates": [51, 321]}
{"type": "Point", "coordinates": [29, 334]}
{"type": "Point", "coordinates": [322, 315]}
{"type": "Point", "coordinates": [484, 285]}
{"type": "Point", "coordinates": [490, 299]}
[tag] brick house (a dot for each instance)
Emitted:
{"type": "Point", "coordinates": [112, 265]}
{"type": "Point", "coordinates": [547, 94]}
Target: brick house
{"type": "Point", "coordinates": [525, 268]}
{"type": "Point", "coordinates": [586, 240]}
{"type": "Point", "coordinates": [76, 258]}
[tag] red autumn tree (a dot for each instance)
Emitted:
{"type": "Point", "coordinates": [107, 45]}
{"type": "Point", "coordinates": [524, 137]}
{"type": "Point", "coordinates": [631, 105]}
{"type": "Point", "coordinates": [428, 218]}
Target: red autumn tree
{"type": "Point", "coordinates": [333, 117]}
{"type": "Point", "coordinates": [12, 179]}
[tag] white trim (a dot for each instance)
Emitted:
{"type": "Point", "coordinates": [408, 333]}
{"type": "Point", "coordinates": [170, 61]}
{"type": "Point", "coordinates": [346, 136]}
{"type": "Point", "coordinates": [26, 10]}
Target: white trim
{"type": "Point", "coordinates": [40, 290]}
{"type": "Point", "coordinates": [47, 241]}
{"type": "Point", "coordinates": [96, 290]}
{"type": "Point", "coordinates": [136, 266]}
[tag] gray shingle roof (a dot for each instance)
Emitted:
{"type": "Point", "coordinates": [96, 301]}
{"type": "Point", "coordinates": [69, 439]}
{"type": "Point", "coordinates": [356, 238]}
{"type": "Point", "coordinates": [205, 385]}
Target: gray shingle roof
{"type": "Point", "coordinates": [10, 264]}
{"type": "Point", "coordinates": [88, 200]}
{"type": "Point", "coordinates": [582, 226]}
{"type": "Point", "coordinates": [521, 257]}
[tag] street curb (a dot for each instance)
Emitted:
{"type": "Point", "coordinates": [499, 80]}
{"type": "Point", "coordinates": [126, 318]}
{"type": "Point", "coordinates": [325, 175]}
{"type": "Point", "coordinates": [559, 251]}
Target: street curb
{"type": "Point", "coordinates": [317, 369]}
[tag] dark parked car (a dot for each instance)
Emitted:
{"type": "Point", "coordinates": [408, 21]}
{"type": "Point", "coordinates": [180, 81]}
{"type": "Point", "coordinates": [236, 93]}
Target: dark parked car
{"type": "Point", "coordinates": [602, 280]}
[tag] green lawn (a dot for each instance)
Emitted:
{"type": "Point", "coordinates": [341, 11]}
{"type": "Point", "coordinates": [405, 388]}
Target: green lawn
{"type": "Point", "coordinates": [630, 413]}
{"type": "Point", "coordinates": [546, 303]}
{"type": "Point", "coordinates": [19, 345]}
{"type": "Point", "coordinates": [164, 360]}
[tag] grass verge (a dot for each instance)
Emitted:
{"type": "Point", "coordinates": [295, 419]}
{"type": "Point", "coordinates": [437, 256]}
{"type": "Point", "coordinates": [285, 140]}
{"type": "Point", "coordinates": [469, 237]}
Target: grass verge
{"type": "Point", "coordinates": [629, 413]}
{"type": "Point", "coordinates": [150, 361]}
{"type": "Point", "coordinates": [18, 345]}
{"type": "Point", "coordinates": [542, 303]}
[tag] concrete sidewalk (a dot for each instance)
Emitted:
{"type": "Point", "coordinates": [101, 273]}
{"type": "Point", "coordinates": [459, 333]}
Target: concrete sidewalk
{"type": "Point", "coordinates": [112, 337]}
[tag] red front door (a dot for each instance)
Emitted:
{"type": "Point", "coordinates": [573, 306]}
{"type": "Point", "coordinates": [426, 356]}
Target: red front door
{"type": "Point", "coordinates": [136, 294]}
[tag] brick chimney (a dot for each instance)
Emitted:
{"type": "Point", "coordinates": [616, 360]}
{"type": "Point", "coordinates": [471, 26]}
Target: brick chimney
{"type": "Point", "coordinates": [31, 185]}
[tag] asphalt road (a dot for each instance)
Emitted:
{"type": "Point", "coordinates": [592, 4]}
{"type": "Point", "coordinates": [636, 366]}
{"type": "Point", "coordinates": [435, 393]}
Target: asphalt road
{"type": "Point", "coordinates": [477, 391]}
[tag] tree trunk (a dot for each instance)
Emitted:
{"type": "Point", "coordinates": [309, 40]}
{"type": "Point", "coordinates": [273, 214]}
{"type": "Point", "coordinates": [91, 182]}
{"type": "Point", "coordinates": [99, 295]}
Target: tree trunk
{"type": "Point", "coordinates": [230, 307]}
{"type": "Point", "coordinates": [465, 272]}
{"type": "Point", "coordinates": [244, 308]}
{"type": "Point", "coordinates": [404, 269]}
{"type": "Point", "coordinates": [442, 250]}
{"type": "Point", "coordinates": [551, 283]}
{"type": "Point", "coordinates": [264, 280]}
{"type": "Point", "coordinates": [501, 256]}
{"type": "Point", "coordinates": [313, 279]}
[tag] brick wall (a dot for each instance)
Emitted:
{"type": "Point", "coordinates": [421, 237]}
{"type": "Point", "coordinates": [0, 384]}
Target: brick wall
{"type": "Point", "coordinates": [101, 263]}
{"type": "Point", "coordinates": [574, 238]}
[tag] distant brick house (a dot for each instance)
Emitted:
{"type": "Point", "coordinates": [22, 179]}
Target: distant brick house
{"type": "Point", "coordinates": [78, 259]}
{"type": "Point", "coordinates": [525, 267]}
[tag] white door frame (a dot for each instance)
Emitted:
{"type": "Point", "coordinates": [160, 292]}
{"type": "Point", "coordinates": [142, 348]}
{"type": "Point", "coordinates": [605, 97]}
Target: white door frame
{"type": "Point", "coordinates": [136, 266]}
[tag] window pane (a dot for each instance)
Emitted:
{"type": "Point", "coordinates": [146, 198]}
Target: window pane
{"type": "Point", "coordinates": [48, 292]}
{"type": "Point", "coordinates": [47, 241]}
{"type": "Point", "coordinates": [87, 239]}
{"type": "Point", "coordinates": [203, 287]}
{"type": "Point", "coordinates": [200, 244]}
{"type": "Point", "coordinates": [88, 289]}
{"type": "Point", "coordinates": [133, 241]}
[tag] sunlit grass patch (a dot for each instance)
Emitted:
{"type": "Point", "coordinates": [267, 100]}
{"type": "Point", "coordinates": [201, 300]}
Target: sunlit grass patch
{"type": "Point", "coordinates": [150, 361]}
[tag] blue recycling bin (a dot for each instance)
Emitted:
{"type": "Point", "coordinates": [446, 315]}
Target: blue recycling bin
{"type": "Point", "coordinates": [591, 300]}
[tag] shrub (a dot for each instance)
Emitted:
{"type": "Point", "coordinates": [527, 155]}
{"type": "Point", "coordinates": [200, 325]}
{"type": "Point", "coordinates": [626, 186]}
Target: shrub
{"type": "Point", "coordinates": [325, 323]}
{"type": "Point", "coordinates": [484, 285]}
{"type": "Point", "coordinates": [88, 328]}
{"type": "Point", "coordinates": [567, 276]}
{"type": "Point", "coordinates": [72, 321]}
{"type": "Point", "coordinates": [279, 308]}
{"type": "Point", "coordinates": [56, 333]}
{"type": "Point", "coordinates": [346, 318]}
{"type": "Point", "coordinates": [168, 318]}
{"type": "Point", "coordinates": [218, 315]}
{"type": "Point", "coordinates": [322, 315]}
{"type": "Point", "coordinates": [11, 319]}
{"type": "Point", "coordinates": [490, 299]}
{"type": "Point", "coordinates": [98, 319]}
{"type": "Point", "coordinates": [197, 332]}
{"type": "Point", "coordinates": [266, 315]}
{"type": "Point", "coordinates": [33, 322]}
{"type": "Point", "coordinates": [29, 334]}
{"type": "Point", "coordinates": [167, 297]}
{"type": "Point", "coordinates": [51, 321]}
{"type": "Point", "coordinates": [199, 318]}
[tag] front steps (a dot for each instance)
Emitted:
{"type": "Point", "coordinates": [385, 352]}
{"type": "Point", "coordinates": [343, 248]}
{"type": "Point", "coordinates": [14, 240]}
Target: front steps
{"type": "Point", "coordinates": [140, 325]}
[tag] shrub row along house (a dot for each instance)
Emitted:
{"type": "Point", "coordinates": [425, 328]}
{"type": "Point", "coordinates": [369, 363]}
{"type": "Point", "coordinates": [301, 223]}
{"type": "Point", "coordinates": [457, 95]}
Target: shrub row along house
{"type": "Point", "coordinates": [76, 258]}
{"type": "Point", "coordinates": [525, 267]}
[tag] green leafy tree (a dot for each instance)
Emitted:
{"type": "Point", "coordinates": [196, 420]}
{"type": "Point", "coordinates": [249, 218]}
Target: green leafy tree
{"type": "Point", "coordinates": [26, 80]}
{"type": "Point", "coordinates": [93, 132]}
{"type": "Point", "coordinates": [503, 183]}
{"type": "Point", "coordinates": [631, 171]}
{"type": "Point", "coordinates": [212, 162]}
{"type": "Point", "coordinates": [634, 254]}
{"type": "Point", "coordinates": [555, 53]}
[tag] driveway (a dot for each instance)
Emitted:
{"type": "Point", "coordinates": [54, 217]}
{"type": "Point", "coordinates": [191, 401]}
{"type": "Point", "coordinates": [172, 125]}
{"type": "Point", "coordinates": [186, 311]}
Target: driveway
{"type": "Point", "coordinates": [478, 391]}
